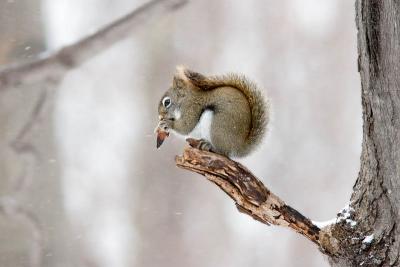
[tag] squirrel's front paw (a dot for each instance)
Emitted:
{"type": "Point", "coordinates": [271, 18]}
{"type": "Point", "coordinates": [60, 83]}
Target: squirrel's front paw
{"type": "Point", "coordinates": [201, 144]}
{"type": "Point", "coordinates": [163, 125]}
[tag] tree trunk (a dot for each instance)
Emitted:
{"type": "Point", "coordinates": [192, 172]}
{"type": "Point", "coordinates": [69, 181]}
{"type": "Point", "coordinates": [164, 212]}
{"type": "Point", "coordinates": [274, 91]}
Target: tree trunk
{"type": "Point", "coordinates": [374, 206]}
{"type": "Point", "coordinates": [376, 195]}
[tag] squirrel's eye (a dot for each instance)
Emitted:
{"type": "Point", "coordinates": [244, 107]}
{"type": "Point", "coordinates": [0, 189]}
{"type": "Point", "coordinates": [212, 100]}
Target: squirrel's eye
{"type": "Point", "coordinates": [166, 102]}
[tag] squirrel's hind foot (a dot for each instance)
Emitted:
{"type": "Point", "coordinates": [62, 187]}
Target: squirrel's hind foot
{"type": "Point", "coordinates": [201, 144]}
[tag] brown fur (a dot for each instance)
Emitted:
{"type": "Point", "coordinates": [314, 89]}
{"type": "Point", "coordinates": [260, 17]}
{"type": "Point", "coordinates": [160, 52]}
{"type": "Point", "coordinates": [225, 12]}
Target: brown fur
{"type": "Point", "coordinates": [240, 112]}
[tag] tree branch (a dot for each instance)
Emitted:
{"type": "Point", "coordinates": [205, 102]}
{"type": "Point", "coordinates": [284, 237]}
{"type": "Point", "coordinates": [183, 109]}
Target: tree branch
{"type": "Point", "coordinates": [249, 193]}
{"type": "Point", "coordinates": [53, 66]}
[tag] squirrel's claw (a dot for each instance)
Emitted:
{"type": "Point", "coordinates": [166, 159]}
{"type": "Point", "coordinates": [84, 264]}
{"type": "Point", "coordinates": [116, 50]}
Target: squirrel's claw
{"type": "Point", "coordinates": [192, 142]}
{"type": "Point", "coordinates": [201, 144]}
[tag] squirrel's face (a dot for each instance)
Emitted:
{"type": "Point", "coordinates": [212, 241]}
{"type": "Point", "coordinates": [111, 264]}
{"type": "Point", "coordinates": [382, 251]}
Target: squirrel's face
{"type": "Point", "coordinates": [169, 107]}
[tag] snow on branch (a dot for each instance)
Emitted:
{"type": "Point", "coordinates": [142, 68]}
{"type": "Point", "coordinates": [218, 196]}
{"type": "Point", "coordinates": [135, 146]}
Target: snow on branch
{"type": "Point", "coordinates": [53, 66]}
{"type": "Point", "coordinates": [250, 195]}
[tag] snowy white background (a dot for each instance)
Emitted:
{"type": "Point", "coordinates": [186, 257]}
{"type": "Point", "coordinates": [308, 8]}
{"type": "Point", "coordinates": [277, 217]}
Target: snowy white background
{"type": "Point", "coordinates": [125, 203]}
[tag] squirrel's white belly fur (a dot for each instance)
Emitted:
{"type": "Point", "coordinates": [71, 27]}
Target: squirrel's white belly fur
{"type": "Point", "coordinates": [203, 127]}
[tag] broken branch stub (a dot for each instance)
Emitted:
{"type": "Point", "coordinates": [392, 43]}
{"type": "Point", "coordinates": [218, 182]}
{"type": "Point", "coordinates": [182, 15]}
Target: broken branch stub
{"type": "Point", "coordinates": [251, 196]}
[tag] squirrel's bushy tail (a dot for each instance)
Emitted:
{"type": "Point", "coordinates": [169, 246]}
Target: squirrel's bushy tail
{"type": "Point", "coordinates": [259, 105]}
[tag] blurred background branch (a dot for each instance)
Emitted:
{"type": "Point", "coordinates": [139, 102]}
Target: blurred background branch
{"type": "Point", "coordinates": [51, 67]}
{"type": "Point", "coordinates": [10, 207]}
{"type": "Point", "coordinates": [42, 74]}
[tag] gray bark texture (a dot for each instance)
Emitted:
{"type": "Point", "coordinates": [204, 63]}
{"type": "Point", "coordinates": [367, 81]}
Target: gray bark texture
{"type": "Point", "coordinates": [376, 195]}
{"type": "Point", "coordinates": [375, 238]}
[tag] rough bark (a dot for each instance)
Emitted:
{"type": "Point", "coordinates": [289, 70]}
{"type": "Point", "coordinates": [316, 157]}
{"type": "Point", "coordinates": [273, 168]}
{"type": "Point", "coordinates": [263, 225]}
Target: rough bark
{"type": "Point", "coordinates": [376, 195]}
{"type": "Point", "coordinates": [366, 233]}
{"type": "Point", "coordinates": [248, 192]}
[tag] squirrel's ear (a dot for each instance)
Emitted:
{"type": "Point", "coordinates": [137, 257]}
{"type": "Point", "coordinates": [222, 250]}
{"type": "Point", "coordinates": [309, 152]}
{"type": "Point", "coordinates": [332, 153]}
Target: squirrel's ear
{"type": "Point", "coordinates": [178, 82]}
{"type": "Point", "coordinates": [188, 76]}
